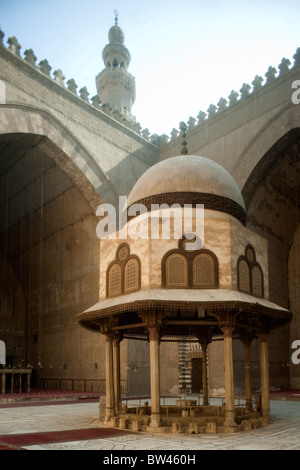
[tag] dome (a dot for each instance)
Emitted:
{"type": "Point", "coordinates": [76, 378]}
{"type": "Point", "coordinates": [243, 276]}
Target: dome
{"type": "Point", "coordinates": [189, 179]}
{"type": "Point", "coordinates": [116, 34]}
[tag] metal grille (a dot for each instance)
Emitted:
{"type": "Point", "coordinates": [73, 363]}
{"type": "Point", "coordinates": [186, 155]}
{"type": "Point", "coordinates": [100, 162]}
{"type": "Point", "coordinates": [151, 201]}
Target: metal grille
{"type": "Point", "coordinates": [244, 276]}
{"type": "Point", "coordinates": [176, 270]}
{"type": "Point", "coordinates": [131, 275]}
{"type": "Point", "coordinates": [257, 281]}
{"type": "Point", "coordinates": [114, 280]}
{"type": "Point", "coordinates": [203, 271]}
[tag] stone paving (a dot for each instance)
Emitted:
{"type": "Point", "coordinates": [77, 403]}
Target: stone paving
{"type": "Point", "coordinates": [282, 434]}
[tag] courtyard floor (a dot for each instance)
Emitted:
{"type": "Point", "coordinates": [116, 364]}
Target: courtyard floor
{"type": "Point", "coordinates": [68, 421]}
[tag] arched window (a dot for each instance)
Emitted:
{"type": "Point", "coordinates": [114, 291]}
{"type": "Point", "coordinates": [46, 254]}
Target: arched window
{"type": "Point", "coordinates": [123, 274]}
{"type": "Point", "coordinates": [114, 280]}
{"type": "Point", "coordinates": [204, 271]}
{"type": "Point", "coordinates": [131, 275]}
{"type": "Point", "coordinates": [185, 268]}
{"type": "Point", "coordinates": [250, 274]}
{"type": "Point", "coordinates": [257, 281]}
{"type": "Point", "coordinates": [176, 271]}
{"type": "Point", "coordinates": [244, 276]}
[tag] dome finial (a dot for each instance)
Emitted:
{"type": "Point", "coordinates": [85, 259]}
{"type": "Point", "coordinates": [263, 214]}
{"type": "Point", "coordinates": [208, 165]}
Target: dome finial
{"type": "Point", "coordinates": [116, 17]}
{"type": "Point", "coordinates": [183, 128]}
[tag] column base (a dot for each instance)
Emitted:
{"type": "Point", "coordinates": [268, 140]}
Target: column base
{"type": "Point", "coordinates": [229, 419]}
{"type": "Point", "coordinates": [265, 419]}
{"type": "Point", "coordinates": [155, 420]}
{"type": "Point", "coordinates": [109, 413]}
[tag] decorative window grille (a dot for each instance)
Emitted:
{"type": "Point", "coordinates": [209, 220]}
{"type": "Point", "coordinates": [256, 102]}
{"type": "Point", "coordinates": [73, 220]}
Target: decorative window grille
{"type": "Point", "coordinates": [244, 276]}
{"type": "Point", "coordinates": [131, 275]}
{"type": "Point", "coordinates": [257, 284]}
{"type": "Point", "coordinates": [204, 271]}
{"type": "Point", "coordinates": [114, 280]}
{"type": "Point", "coordinates": [176, 271]}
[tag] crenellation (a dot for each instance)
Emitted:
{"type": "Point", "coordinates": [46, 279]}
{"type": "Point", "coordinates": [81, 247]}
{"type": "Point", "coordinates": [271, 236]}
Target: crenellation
{"type": "Point", "coordinates": [29, 57]}
{"type": "Point", "coordinates": [257, 83]}
{"type": "Point", "coordinates": [174, 134]}
{"type": "Point", "coordinates": [72, 86]}
{"type": "Point", "coordinates": [59, 77]}
{"type": "Point", "coordinates": [270, 75]}
{"type": "Point", "coordinates": [96, 102]}
{"type": "Point", "coordinates": [233, 98]}
{"type": "Point", "coordinates": [191, 122]}
{"type": "Point", "coordinates": [146, 134]}
{"type": "Point", "coordinates": [222, 105]}
{"type": "Point", "coordinates": [44, 67]}
{"type": "Point", "coordinates": [284, 66]}
{"type": "Point", "coordinates": [296, 57]}
{"type": "Point", "coordinates": [84, 94]}
{"type": "Point", "coordinates": [245, 91]}
{"type": "Point", "coordinates": [14, 46]}
{"type": "Point", "coordinates": [201, 117]}
{"type": "Point", "coordinates": [212, 111]}
{"type": "Point", "coordinates": [137, 128]}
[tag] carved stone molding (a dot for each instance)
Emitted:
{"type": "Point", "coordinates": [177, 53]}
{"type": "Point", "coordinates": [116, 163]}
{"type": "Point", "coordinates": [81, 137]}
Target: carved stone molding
{"type": "Point", "coordinates": [210, 201]}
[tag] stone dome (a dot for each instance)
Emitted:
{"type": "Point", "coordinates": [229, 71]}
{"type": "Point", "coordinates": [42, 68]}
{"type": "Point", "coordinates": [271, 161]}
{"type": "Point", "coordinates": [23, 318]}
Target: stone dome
{"type": "Point", "coordinates": [116, 34]}
{"type": "Point", "coordinates": [189, 179]}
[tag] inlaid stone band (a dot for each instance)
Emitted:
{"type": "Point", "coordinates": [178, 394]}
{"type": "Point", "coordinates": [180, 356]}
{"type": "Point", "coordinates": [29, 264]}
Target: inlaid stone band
{"type": "Point", "coordinates": [210, 201]}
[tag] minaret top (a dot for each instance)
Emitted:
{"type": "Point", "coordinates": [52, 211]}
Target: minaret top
{"type": "Point", "coordinates": [115, 54]}
{"type": "Point", "coordinates": [116, 34]}
{"type": "Point", "coordinates": [115, 85]}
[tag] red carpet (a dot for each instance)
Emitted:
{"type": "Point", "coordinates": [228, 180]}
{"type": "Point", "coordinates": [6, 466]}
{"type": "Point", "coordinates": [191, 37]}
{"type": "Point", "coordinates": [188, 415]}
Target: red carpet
{"type": "Point", "coordinates": [15, 441]}
{"type": "Point", "coordinates": [285, 394]}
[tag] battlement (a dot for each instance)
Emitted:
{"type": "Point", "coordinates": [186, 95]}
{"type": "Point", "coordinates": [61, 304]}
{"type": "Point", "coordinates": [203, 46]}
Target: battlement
{"type": "Point", "coordinates": [246, 91]}
{"type": "Point", "coordinates": [57, 77]}
{"type": "Point", "coordinates": [213, 111]}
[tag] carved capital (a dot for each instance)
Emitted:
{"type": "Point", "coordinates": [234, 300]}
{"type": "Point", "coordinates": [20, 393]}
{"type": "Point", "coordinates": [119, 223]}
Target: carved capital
{"type": "Point", "coordinates": [117, 337]}
{"type": "Point", "coordinates": [227, 319]}
{"type": "Point", "coordinates": [154, 334]}
{"type": "Point", "coordinates": [263, 336]}
{"type": "Point", "coordinates": [227, 331]}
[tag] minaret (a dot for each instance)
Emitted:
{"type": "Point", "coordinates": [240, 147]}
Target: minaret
{"type": "Point", "coordinates": [115, 85]}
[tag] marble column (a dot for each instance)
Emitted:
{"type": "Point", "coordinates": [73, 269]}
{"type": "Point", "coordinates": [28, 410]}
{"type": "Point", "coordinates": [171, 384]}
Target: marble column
{"type": "Point", "coordinates": [248, 383]}
{"type": "Point", "coordinates": [154, 339]}
{"type": "Point", "coordinates": [204, 373]}
{"type": "Point", "coordinates": [29, 382]}
{"type": "Point", "coordinates": [3, 381]}
{"type": "Point", "coordinates": [110, 399]}
{"type": "Point", "coordinates": [116, 372]}
{"type": "Point", "coordinates": [264, 374]}
{"type": "Point", "coordinates": [229, 384]}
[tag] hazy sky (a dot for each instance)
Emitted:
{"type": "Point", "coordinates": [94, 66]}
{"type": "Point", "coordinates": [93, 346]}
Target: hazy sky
{"type": "Point", "coordinates": [185, 55]}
